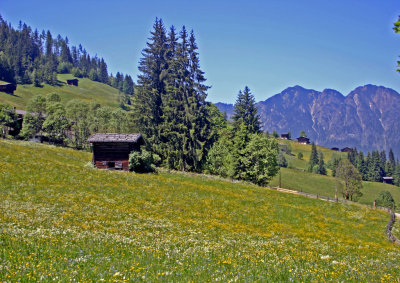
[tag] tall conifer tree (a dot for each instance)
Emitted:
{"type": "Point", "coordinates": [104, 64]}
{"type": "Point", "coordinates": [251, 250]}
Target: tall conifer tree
{"type": "Point", "coordinates": [245, 111]}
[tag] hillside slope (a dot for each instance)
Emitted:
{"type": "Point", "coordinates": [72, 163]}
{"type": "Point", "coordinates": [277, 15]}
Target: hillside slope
{"type": "Point", "coordinates": [295, 178]}
{"type": "Point", "coordinates": [86, 90]}
{"type": "Point", "coordinates": [62, 220]}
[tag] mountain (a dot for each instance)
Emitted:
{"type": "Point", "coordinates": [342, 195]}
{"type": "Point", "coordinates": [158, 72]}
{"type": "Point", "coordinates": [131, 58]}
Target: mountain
{"type": "Point", "coordinates": [225, 108]}
{"type": "Point", "coordinates": [367, 118]}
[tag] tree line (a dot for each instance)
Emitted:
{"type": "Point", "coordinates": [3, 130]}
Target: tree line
{"type": "Point", "coordinates": [28, 56]}
{"type": "Point", "coordinates": [182, 128]}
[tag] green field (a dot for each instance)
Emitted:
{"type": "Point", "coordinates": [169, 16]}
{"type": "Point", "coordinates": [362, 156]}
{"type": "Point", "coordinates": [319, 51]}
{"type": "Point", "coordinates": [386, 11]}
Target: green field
{"type": "Point", "coordinates": [86, 90]}
{"type": "Point", "coordinates": [62, 220]}
{"type": "Point", "coordinates": [294, 177]}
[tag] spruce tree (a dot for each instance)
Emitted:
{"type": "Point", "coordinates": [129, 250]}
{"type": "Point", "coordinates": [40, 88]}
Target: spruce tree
{"type": "Point", "coordinates": [390, 164]}
{"type": "Point", "coordinates": [313, 158]}
{"type": "Point", "coordinates": [321, 164]}
{"type": "Point", "coordinates": [245, 111]}
{"type": "Point", "coordinates": [147, 103]}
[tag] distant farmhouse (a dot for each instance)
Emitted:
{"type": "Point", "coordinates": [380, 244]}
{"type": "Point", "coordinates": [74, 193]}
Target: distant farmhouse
{"type": "Point", "coordinates": [303, 140]}
{"type": "Point", "coordinates": [8, 88]}
{"type": "Point", "coordinates": [111, 151]}
{"type": "Point", "coordinates": [73, 82]}
{"type": "Point", "coordinates": [285, 136]}
{"type": "Point", "coordinates": [346, 149]}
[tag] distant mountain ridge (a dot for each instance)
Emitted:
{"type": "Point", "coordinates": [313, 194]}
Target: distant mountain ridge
{"type": "Point", "coordinates": [367, 118]}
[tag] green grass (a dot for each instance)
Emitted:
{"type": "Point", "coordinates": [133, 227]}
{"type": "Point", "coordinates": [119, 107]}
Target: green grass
{"type": "Point", "coordinates": [86, 90]}
{"type": "Point", "coordinates": [64, 221]}
{"type": "Point", "coordinates": [297, 180]}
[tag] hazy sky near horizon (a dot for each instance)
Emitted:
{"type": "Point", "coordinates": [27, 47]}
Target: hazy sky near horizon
{"type": "Point", "coordinates": [268, 45]}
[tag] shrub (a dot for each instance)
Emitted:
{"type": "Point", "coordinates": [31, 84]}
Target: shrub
{"type": "Point", "coordinates": [219, 161]}
{"type": "Point", "coordinates": [300, 156]}
{"type": "Point", "coordinates": [385, 199]}
{"type": "Point", "coordinates": [64, 68]}
{"type": "Point", "coordinates": [282, 162]}
{"type": "Point", "coordinates": [141, 161]}
{"type": "Point", "coordinates": [76, 73]}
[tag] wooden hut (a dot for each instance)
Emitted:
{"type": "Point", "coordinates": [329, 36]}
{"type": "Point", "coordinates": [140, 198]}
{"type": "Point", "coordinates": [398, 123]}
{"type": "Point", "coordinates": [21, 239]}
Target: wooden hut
{"type": "Point", "coordinates": [285, 136]}
{"type": "Point", "coordinates": [303, 140]}
{"type": "Point", "coordinates": [8, 88]}
{"type": "Point", "coordinates": [388, 180]}
{"type": "Point", "coordinates": [335, 148]}
{"type": "Point", "coordinates": [346, 149]}
{"type": "Point", "coordinates": [111, 151]}
{"type": "Point", "coordinates": [72, 82]}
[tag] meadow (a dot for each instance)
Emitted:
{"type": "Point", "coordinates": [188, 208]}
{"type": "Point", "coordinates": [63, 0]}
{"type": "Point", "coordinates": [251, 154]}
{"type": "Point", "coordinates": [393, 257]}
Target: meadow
{"type": "Point", "coordinates": [63, 220]}
{"type": "Point", "coordinates": [87, 90]}
{"type": "Point", "coordinates": [294, 177]}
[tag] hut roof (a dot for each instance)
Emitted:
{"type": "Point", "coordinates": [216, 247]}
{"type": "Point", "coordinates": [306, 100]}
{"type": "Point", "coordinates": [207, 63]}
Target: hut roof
{"type": "Point", "coordinates": [388, 178]}
{"type": "Point", "coordinates": [107, 137]}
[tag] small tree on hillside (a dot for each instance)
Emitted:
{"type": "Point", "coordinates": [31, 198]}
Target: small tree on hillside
{"type": "Point", "coordinates": [303, 134]}
{"type": "Point", "coordinates": [7, 117]}
{"type": "Point", "coordinates": [350, 180]}
{"type": "Point", "coordinates": [385, 199]}
{"type": "Point", "coordinates": [259, 160]}
{"type": "Point", "coordinates": [321, 164]}
{"type": "Point", "coordinates": [313, 159]}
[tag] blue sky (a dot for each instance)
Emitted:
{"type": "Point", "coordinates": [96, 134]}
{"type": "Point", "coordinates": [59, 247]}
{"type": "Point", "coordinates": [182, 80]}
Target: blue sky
{"type": "Point", "coordinates": [268, 45]}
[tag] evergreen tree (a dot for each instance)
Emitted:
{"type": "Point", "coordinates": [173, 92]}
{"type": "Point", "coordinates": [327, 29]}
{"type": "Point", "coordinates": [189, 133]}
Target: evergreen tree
{"type": "Point", "coordinates": [321, 164]}
{"type": "Point", "coordinates": [245, 111]}
{"type": "Point", "coordinates": [147, 103]}
{"type": "Point", "coordinates": [128, 85]}
{"type": "Point", "coordinates": [361, 165]}
{"type": "Point", "coordinates": [313, 158]}
{"type": "Point", "coordinates": [103, 73]}
{"type": "Point", "coordinates": [351, 156]}
{"type": "Point", "coordinates": [375, 170]}
{"type": "Point", "coordinates": [390, 164]}
{"type": "Point", "coordinates": [396, 174]}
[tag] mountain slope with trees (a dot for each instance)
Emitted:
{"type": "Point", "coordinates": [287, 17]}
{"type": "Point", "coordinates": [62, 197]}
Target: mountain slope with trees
{"type": "Point", "coordinates": [367, 118]}
{"type": "Point", "coordinates": [28, 56]}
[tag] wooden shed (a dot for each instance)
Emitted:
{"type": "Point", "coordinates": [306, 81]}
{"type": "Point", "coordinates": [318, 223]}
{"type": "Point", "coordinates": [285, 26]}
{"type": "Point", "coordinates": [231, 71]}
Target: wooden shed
{"type": "Point", "coordinates": [346, 149]}
{"type": "Point", "coordinates": [111, 151]}
{"type": "Point", "coordinates": [73, 82]}
{"type": "Point", "coordinates": [388, 180]}
{"type": "Point", "coordinates": [285, 136]}
{"type": "Point", "coordinates": [303, 140]}
{"type": "Point", "coordinates": [8, 88]}
{"type": "Point", "coordinates": [335, 148]}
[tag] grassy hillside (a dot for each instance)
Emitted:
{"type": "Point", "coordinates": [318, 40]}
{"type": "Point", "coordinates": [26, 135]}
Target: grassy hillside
{"type": "Point", "coordinates": [87, 90]}
{"type": "Point", "coordinates": [295, 178]}
{"type": "Point", "coordinates": [62, 220]}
